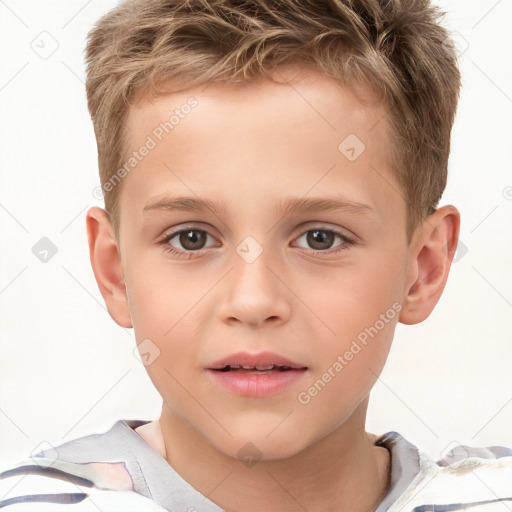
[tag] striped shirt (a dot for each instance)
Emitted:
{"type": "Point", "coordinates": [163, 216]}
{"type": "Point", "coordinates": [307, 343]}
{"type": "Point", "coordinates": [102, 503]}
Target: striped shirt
{"type": "Point", "coordinates": [117, 471]}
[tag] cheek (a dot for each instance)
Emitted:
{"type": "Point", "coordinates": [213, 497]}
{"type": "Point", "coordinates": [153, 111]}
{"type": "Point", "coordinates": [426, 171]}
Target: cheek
{"type": "Point", "coordinates": [346, 374]}
{"type": "Point", "coordinates": [159, 296]}
{"type": "Point", "coordinates": [352, 300]}
{"type": "Point", "coordinates": [165, 325]}
{"type": "Point", "coordinates": [176, 364]}
{"type": "Point", "coordinates": [358, 319]}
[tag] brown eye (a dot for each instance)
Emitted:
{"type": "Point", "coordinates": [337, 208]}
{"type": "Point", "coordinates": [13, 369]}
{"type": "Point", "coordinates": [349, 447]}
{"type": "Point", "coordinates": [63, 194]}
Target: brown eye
{"type": "Point", "coordinates": [186, 241]}
{"type": "Point", "coordinates": [324, 240]}
{"type": "Point", "coordinates": [192, 239]}
{"type": "Point", "coordinates": [319, 239]}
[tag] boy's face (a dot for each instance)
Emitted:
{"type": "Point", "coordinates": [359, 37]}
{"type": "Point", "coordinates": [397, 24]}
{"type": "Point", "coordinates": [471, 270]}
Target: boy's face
{"type": "Point", "coordinates": [247, 277]}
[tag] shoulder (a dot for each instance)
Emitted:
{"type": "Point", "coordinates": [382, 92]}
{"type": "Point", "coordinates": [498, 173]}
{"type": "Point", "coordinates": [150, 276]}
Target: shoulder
{"type": "Point", "coordinates": [81, 487]}
{"type": "Point", "coordinates": [465, 478]}
{"type": "Point", "coordinates": [86, 474]}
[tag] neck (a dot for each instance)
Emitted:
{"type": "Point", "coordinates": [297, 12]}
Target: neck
{"type": "Point", "coordinates": [342, 471]}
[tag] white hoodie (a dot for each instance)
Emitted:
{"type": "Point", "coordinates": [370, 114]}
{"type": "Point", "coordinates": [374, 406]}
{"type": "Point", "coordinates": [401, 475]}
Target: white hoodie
{"type": "Point", "coordinates": [117, 471]}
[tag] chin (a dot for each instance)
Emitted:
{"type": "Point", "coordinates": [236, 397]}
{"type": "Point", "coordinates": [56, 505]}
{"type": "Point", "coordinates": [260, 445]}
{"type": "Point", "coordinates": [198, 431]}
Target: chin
{"type": "Point", "coordinates": [252, 447]}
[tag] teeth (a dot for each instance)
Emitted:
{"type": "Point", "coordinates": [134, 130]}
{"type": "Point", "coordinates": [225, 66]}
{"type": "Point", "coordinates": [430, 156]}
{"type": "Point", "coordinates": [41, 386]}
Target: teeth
{"type": "Point", "coordinates": [260, 368]}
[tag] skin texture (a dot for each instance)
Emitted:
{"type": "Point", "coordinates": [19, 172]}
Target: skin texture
{"type": "Point", "coordinates": [249, 147]}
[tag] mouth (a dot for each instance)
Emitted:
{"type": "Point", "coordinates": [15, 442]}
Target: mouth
{"type": "Point", "coordinates": [261, 370]}
{"type": "Point", "coordinates": [256, 375]}
{"type": "Point", "coordinates": [245, 362]}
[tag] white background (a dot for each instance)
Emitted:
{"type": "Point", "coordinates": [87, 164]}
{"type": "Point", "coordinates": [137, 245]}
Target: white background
{"type": "Point", "coordinates": [68, 370]}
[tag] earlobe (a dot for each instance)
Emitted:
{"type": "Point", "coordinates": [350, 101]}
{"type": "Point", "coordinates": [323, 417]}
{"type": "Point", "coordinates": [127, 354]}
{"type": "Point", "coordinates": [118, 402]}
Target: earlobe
{"type": "Point", "coordinates": [106, 264]}
{"type": "Point", "coordinates": [431, 256]}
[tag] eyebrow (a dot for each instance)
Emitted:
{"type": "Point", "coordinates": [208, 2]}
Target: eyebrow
{"type": "Point", "coordinates": [283, 207]}
{"type": "Point", "coordinates": [322, 204]}
{"type": "Point", "coordinates": [188, 204]}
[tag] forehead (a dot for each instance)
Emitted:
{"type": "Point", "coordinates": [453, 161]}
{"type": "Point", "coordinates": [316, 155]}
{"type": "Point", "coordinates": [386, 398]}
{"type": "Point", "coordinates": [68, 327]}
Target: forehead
{"type": "Point", "coordinates": [263, 139]}
{"type": "Point", "coordinates": [299, 92]}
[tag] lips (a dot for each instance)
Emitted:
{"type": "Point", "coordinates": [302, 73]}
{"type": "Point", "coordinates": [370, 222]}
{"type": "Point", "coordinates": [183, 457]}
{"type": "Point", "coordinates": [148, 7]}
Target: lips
{"type": "Point", "coordinates": [269, 368]}
{"type": "Point", "coordinates": [256, 375]}
{"type": "Point", "coordinates": [260, 362]}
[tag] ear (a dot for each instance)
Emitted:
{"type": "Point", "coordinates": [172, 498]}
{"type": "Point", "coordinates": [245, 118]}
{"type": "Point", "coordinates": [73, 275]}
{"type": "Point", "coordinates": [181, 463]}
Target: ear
{"type": "Point", "coordinates": [106, 264]}
{"type": "Point", "coordinates": [430, 258]}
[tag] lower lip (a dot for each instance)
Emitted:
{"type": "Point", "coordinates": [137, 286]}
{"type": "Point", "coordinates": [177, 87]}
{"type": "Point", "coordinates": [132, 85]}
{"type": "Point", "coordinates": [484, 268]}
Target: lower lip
{"type": "Point", "coordinates": [256, 385]}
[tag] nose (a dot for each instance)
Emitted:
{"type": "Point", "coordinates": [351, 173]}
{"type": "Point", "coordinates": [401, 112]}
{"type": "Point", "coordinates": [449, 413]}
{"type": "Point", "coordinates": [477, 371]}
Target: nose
{"type": "Point", "coordinates": [253, 292]}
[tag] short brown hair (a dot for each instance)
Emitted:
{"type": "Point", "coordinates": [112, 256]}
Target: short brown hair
{"type": "Point", "coordinates": [397, 47]}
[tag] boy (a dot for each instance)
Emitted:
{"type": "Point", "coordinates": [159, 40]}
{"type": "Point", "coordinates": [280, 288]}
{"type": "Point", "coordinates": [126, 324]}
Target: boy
{"type": "Point", "coordinates": [271, 173]}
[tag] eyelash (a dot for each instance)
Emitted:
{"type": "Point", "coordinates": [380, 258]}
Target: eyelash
{"type": "Point", "coordinates": [347, 241]}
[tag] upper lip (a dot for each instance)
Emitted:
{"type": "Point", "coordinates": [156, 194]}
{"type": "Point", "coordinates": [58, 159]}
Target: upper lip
{"type": "Point", "coordinates": [253, 360]}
